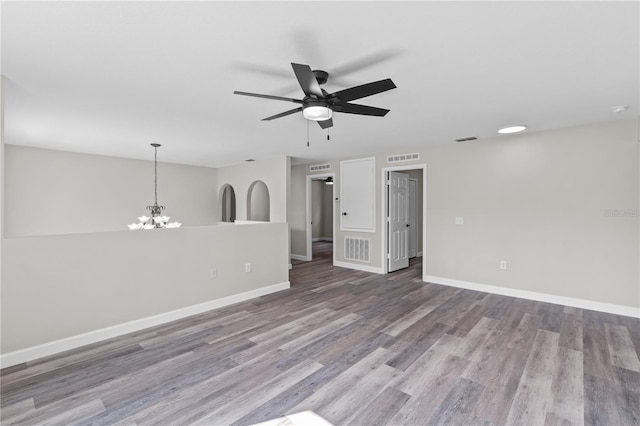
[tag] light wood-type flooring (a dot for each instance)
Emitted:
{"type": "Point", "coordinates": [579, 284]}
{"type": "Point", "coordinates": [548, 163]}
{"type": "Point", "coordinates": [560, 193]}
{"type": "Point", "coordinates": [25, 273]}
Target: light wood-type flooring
{"type": "Point", "coordinates": [354, 347]}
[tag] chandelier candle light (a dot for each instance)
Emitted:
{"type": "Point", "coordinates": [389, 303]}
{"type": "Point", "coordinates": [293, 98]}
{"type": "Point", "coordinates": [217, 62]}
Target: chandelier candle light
{"type": "Point", "coordinates": [156, 220]}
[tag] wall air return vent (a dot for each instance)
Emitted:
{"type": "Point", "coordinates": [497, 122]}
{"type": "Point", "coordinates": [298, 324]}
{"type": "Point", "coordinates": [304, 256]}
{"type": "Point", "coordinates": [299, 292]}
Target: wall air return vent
{"type": "Point", "coordinates": [320, 167]}
{"type": "Point", "coordinates": [403, 157]}
{"type": "Point", "coordinates": [470, 138]}
{"type": "Point", "coordinates": [357, 249]}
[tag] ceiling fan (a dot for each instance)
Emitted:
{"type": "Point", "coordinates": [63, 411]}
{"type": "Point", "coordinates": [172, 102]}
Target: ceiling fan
{"type": "Point", "coordinates": [318, 105]}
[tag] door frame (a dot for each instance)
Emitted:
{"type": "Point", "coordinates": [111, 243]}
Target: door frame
{"type": "Point", "coordinates": [414, 231]}
{"type": "Point", "coordinates": [385, 200]}
{"type": "Point", "coordinates": [308, 226]}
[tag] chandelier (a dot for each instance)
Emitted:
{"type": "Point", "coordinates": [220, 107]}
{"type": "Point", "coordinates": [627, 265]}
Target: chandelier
{"type": "Point", "coordinates": [156, 220]}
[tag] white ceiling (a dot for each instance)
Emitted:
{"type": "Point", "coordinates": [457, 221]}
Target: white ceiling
{"type": "Point", "coordinates": [111, 77]}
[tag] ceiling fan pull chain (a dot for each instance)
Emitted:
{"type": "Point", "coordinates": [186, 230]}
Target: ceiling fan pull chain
{"type": "Point", "coordinates": [328, 137]}
{"type": "Point", "coordinates": [307, 133]}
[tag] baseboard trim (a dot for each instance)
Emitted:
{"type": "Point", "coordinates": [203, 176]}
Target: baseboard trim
{"type": "Point", "coordinates": [610, 308]}
{"type": "Point", "coordinates": [51, 348]}
{"type": "Point", "coordinates": [358, 267]}
{"type": "Point", "coordinates": [325, 239]}
{"type": "Point", "coordinates": [298, 257]}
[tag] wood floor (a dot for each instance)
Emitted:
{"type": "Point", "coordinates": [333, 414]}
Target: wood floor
{"type": "Point", "coordinates": [354, 347]}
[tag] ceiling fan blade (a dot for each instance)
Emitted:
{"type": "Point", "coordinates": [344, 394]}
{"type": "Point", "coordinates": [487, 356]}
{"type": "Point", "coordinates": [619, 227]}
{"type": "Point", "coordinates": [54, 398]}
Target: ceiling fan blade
{"type": "Point", "coordinates": [307, 80]}
{"type": "Point", "coordinates": [277, 98]}
{"type": "Point", "coordinates": [364, 62]}
{"type": "Point", "coordinates": [360, 109]}
{"type": "Point", "coordinates": [326, 123]}
{"type": "Point", "coordinates": [282, 114]}
{"type": "Point", "coordinates": [364, 90]}
{"type": "Point", "coordinates": [261, 69]}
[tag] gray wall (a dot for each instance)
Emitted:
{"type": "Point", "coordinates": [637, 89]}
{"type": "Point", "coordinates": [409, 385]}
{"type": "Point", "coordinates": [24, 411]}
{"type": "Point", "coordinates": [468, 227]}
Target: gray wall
{"type": "Point", "coordinates": [56, 192]}
{"type": "Point", "coordinates": [543, 201]}
{"type": "Point", "coordinates": [417, 175]}
{"type": "Point", "coordinates": [59, 286]}
{"type": "Point", "coordinates": [66, 276]}
{"type": "Point", "coordinates": [273, 172]}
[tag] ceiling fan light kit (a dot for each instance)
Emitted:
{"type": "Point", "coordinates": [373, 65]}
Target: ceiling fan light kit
{"type": "Point", "coordinates": [319, 112]}
{"type": "Point", "coordinates": [319, 105]}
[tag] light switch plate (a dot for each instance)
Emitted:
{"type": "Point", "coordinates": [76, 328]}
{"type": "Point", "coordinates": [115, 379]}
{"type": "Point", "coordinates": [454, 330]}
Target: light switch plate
{"type": "Point", "coordinates": [459, 220]}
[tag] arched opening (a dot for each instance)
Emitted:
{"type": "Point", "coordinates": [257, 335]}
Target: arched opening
{"type": "Point", "coordinates": [228, 203]}
{"type": "Point", "coordinates": [258, 202]}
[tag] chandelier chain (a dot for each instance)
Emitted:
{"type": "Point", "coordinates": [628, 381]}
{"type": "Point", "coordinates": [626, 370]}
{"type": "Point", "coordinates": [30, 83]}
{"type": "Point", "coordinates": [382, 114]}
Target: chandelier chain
{"type": "Point", "coordinates": [156, 173]}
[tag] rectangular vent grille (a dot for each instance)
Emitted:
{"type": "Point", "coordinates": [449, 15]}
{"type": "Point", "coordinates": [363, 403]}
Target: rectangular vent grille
{"type": "Point", "coordinates": [403, 157]}
{"type": "Point", "coordinates": [319, 167]}
{"type": "Point", "coordinates": [470, 138]}
{"type": "Point", "coordinates": [357, 249]}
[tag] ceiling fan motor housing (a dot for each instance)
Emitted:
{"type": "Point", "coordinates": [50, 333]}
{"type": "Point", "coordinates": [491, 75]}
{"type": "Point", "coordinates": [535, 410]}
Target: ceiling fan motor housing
{"type": "Point", "coordinates": [321, 76]}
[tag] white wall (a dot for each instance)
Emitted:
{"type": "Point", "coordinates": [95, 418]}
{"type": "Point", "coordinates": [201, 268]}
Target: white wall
{"type": "Point", "coordinates": [537, 200]}
{"type": "Point", "coordinates": [60, 286]}
{"type": "Point", "coordinates": [273, 172]}
{"type": "Point", "coordinates": [56, 192]}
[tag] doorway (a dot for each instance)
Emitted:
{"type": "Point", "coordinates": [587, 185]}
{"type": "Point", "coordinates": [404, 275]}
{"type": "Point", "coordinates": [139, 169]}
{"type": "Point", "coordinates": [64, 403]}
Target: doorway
{"type": "Point", "coordinates": [228, 203]}
{"type": "Point", "coordinates": [404, 220]}
{"type": "Point", "coordinates": [320, 216]}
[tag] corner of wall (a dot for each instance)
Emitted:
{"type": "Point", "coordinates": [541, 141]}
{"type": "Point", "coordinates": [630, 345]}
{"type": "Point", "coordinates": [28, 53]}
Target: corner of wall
{"type": "Point", "coordinates": [2, 179]}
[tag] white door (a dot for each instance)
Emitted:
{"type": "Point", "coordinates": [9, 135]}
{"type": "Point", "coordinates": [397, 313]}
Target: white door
{"type": "Point", "coordinates": [413, 221]}
{"type": "Point", "coordinates": [357, 194]}
{"type": "Point", "coordinates": [398, 220]}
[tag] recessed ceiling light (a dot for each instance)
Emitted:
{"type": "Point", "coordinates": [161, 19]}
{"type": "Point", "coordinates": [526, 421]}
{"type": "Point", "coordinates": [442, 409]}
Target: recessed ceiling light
{"type": "Point", "coordinates": [512, 129]}
{"type": "Point", "coordinates": [619, 108]}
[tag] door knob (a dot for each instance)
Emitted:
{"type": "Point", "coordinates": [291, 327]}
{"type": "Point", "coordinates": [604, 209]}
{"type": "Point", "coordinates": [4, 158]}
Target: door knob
{"type": "Point", "coordinates": [408, 225]}
{"type": "Point", "coordinates": [344, 213]}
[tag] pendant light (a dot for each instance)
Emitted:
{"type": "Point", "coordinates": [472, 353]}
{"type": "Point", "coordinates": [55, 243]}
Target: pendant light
{"type": "Point", "coordinates": [156, 220]}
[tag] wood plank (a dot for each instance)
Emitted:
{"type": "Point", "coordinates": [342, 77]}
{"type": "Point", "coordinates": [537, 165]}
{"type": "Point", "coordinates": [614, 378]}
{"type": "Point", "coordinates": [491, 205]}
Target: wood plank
{"type": "Point", "coordinates": [337, 387]}
{"type": "Point", "coordinates": [381, 409]}
{"type": "Point", "coordinates": [532, 399]}
{"type": "Point", "coordinates": [621, 350]}
{"type": "Point", "coordinates": [571, 331]}
{"type": "Point", "coordinates": [525, 333]}
{"type": "Point", "coordinates": [457, 406]}
{"type": "Point", "coordinates": [237, 404]}
{"type": "Point", "coordinates": [567, 389]}
{"type": "Point", "coordinates": [407, 320]}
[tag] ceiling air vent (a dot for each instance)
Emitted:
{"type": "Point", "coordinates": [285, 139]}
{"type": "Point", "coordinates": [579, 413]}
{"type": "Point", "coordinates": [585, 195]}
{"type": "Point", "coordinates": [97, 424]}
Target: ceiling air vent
{"type": "Point", "coordinates": [470, 138]}
{"type": "Point", "coordinates": [403, 157]}
{"type": "Point", "coordinates": [320, 167]}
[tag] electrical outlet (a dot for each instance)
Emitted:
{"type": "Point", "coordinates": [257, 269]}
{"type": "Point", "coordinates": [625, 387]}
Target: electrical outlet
{"type": "Point", "coordinates": [214, 274]}
{"type": "Point", "coordinates": [247, 267]}
{"type": "Point", "coordinates": [503, 264]}
{"type": "Point", "coordinates": [459, 220]}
